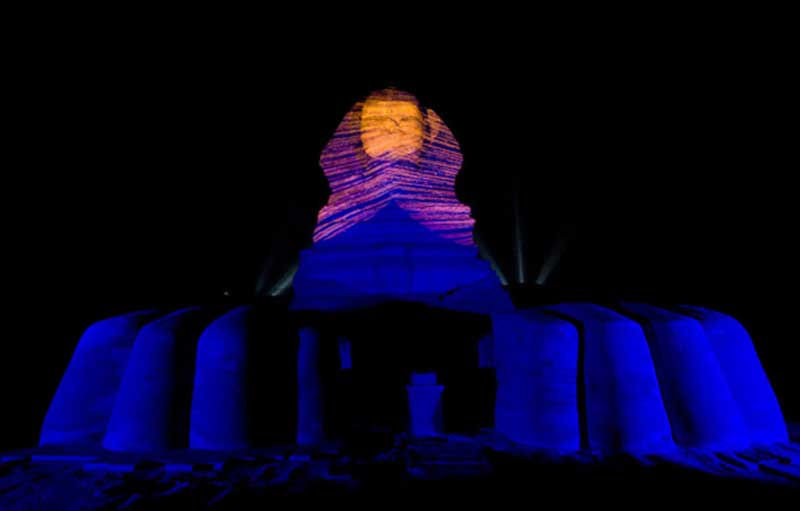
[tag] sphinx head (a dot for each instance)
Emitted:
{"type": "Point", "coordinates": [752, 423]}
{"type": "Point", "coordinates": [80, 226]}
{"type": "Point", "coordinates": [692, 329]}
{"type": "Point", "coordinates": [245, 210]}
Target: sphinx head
{"type": "Point", "coordinates": [390, 149]}
{"type": "Point", "coordinates": [392, 125]}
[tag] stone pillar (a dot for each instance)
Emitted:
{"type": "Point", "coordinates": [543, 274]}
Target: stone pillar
{"type": "Point", "coordinates": [746, 378]}
{"type": "Point", "coordinates": [310, 391]}
{"type": "Point", "coordinates": [424, 405]}
{"type": "Point", "coordinates": [345, 354]}
{"type": "Point", "coordinates": [486, 352]}
{"type": "Point", "coordinates": [82, 405]}
{"type": "Point", "coordinates": [220, 416]}
{"type": "Point", "coordinates": [153, 405]}
{"type": "Point", "coordinates": [622, 405]}
{"type": "Point", "coordinates": [536, 358]}
{"type": "Point", "coordinates": [701, 410]}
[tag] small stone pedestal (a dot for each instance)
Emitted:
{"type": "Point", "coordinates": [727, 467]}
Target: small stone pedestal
{"type": "Point", "coordinates": [310, 406]}
{"type": "Point", "coordinates": [424, 405]}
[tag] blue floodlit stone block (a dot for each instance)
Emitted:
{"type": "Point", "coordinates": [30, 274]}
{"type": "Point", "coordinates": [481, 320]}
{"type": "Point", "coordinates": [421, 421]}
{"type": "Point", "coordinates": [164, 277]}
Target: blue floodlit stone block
{"type": "Point", "coordinates": [220, 417]}
{"type": "Point", "coordinates": [746, 378]}
{"type": "Point", "coordinates": [624, 410]}
{"type": "Point", "coordinates": [392, 257]}
{"type": "Point", "coordinates": [536, 360]}
{"type": "Point", "coordinates": [310, 405]}
{"type": "Point", "coordinates": [153, 405]}
{"type": "Point", "coordinates": [699, 403]}
{"type": "Point", "coordinates": [424, 405]}
{"type": "Point", "coordinates": [81, 407]}
{"type": "Point", "coordinates": [486, 352]}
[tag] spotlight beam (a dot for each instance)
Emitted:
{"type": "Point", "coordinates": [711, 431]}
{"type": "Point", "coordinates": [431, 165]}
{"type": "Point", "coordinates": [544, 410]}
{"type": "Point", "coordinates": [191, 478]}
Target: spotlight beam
{"type": "Point", "coordinates": [554, 256]}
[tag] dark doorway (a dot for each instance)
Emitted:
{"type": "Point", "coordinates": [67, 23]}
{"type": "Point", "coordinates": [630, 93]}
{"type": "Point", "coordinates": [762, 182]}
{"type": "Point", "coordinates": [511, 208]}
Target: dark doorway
{"type": "Point", "coordinates": [392, 340]}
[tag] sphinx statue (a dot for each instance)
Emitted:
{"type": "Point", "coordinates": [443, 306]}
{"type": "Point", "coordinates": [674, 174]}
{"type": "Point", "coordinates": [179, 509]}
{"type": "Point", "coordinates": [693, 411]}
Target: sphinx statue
{"type": "Point", "coordinates": [623, 377]}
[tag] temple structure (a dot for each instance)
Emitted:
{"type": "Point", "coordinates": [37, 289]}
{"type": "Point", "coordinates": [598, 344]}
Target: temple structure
{"type": "Point", "coordinates": [573, 376]}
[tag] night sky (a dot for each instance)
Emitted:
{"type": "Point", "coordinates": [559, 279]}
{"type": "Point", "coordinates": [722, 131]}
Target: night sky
{"type": "Point", "coordinates": [157, 175]}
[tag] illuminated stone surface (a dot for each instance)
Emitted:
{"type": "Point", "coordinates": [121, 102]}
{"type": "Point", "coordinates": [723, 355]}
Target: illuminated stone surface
{"type": "Point", "coordinates": [220, 417]}
{"type": "Point", "coordinates": [569, 376]}
{"type": "Point", "coordinates": [486, 352]}
{"type": "Point", "coordinates": [536, 360]}
{"type": "Point", "coordinates": [310, 392]}
{"type": "Point", "coordinates": [81, 407]}
{"type": "Point", "coordinates": [744, 375]}
{"type": "Point", "coordinates": [701, 409]}
{"type": "Point", "coordinates": [393, 228]}
{"type": "Point", "coordinates": [389, 149]}
{"type": "Point", "coordinates": [424, 405]}
{"type": "Point", "coordinates": [623, 406]}
{"type": "Point", "coordinates": [392, 126]}
{"type": "Point", "coordinates": [152, 408]}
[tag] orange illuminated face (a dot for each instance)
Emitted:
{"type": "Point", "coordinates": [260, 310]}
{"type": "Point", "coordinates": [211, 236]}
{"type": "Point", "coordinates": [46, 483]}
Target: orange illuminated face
{"type": "Point", "coordinates": [391, 129]}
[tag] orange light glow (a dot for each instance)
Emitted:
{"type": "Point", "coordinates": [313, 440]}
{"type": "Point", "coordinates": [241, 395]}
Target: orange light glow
{"type": "Point", "coordinates": [391, 150]}
{"type": "Point", "coordinates": [391, 129]}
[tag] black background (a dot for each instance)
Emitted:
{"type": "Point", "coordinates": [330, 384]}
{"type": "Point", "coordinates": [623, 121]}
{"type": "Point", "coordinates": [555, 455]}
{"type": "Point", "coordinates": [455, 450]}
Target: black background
{"type": "Point", "coordinates": [167, 172]}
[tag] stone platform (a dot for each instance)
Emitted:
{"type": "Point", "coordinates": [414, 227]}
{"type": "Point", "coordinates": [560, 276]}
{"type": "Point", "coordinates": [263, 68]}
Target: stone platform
{"type": "Point", "coordinates": [397, 467]}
